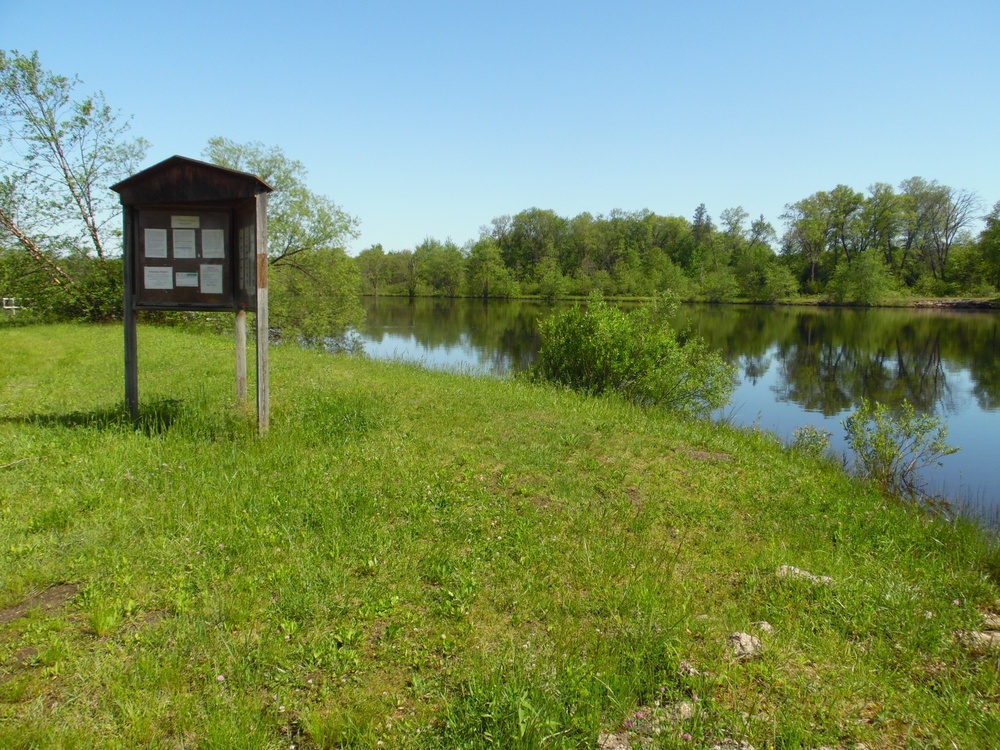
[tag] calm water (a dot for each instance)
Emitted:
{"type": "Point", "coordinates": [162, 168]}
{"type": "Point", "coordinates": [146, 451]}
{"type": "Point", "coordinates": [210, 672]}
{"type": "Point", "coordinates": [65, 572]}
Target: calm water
{"type": "Point", "coordinates": [797, 366]}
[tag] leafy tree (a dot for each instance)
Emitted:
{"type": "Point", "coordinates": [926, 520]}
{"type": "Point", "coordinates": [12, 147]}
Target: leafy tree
{"type": "Point", "coordinates": [989, 244]}
{"type": "Point", "coordinates": [314, 285]}
{"type": "Point", "coordinates": [848, 233]}
{"type": "Point", "coordinates": [317, 298]}
{"type": "Point", "coordinates": [404, 271]}
{"type": "Point", "coordinates": [551, 283]}
{"type": "Point", "coordinates": [933, 217]}
{"type": "Point", "coordinates": [528, 238]}
{"type": "Point", "coordinates": [951, 211]}
{"type": "Point", "coordinates": [968, 269]}
{"type": "Point", "coordinates": [732, 221]}
{"type": "Point", "coordinates": [59, 153]}
{"type": "Point", "coordinates": [298, 220]}
{"type": "Point", "coordinates": [808, 231]}
{"type": "Point", "coordinates": [374, 268]}
{"type": "Point", "coordinates": [441, 266]}
{"type": "Point", "coordinates": [486, 275]}
{"type": "Point", "coordinates": [752, 257]}
{"type": "Point", "coordinates": [702, 231]}
{"type": "Point", "coordinates": [882, 215]}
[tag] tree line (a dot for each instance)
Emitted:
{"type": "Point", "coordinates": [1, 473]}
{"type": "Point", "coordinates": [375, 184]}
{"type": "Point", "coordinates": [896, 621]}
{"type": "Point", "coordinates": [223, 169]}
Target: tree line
{"type": "Point", "coordinates": [842, 245]}
{"type": "Point", "coordinates": [60, 232]}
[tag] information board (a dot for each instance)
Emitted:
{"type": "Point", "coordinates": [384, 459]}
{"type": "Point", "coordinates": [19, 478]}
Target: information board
{"type": "Point", "coordinates": [184, 259]}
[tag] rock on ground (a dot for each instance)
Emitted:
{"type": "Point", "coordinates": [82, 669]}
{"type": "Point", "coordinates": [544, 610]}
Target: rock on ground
{"type": "Point", "coordinates": [745, 646]}
{"type": "Point", "coordinates": [789, 571]}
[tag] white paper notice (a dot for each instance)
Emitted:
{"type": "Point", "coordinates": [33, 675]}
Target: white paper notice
{"type": "Point", "coordinates": [159, 277]}
{"type": "Point", "coordinates": [211, 279]}
{"type": "Point", "coordinates": [156, 243]}
{"type": "Point", "coordinates": [186, 278]}
{"type": "Point", "coordinates": [184, 243]}
{"type": "Point", "coordinates": [185, 222]}
{"type": "Point", "coordinates": [213, 243]}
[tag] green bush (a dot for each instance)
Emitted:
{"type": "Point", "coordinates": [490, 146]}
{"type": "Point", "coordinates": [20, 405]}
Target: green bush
{"type": "Point", "coordinates": [779, 283]}
{"type": "Point", "coordinates": [719, 286]}
{"type": "Point", "coordinates": [96, 293]}
{"type": "Point", "coordinates": [893, 449]}
{"type": "Point", "coordinates": [811, 440]}
{"type": "Point", "coordinates": [865, 281]}
{"type": "Point", "coordinates": [603, 349]}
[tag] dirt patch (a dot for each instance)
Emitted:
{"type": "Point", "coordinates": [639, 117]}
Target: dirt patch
{"type": "Point", "coordinates": [52, 598]}
{"type": "Point", "coordinates": [26, 655]}
{"type": "Point", "coordinates": [148, 619]}
{"type": "Point", "coordinates": [709, 456]}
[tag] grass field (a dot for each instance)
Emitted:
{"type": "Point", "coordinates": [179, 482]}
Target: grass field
{"type": "Point", "coordinates": [415, 559]}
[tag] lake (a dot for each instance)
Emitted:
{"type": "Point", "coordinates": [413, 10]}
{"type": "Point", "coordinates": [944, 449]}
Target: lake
{"type": "Point", "coordinates": [797, 366]}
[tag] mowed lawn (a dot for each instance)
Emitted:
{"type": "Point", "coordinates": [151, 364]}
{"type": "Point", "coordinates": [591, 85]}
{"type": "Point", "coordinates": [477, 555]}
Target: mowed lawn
{"type": "Point", "coordinates": [414, 559]}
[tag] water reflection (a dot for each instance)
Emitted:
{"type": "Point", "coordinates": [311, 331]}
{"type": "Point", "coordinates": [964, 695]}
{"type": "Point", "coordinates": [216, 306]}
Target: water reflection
{"type": "Point", "coordinates": [798, 365]}
{"type": "Point", "coordinates": [495, 337]}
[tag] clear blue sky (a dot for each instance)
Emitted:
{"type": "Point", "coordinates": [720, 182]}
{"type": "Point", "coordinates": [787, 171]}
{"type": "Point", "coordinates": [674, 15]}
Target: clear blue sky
{"type": "Point", "coordinates": [431, 118]}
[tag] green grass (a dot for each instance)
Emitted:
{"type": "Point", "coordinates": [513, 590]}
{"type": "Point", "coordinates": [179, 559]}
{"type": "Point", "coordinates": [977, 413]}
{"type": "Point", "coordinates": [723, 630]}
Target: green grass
{"type": "Point", "coordinates": [429, 560]}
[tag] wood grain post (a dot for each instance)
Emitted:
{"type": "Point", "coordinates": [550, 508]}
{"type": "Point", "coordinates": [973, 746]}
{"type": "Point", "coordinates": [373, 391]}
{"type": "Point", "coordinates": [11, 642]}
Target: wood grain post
{"type": "Point", "coordinates": [241, 357]}
{"type": "Point", "coordinates": [131, 342]}
{"type": "Point", "coordinates": [263, 327]}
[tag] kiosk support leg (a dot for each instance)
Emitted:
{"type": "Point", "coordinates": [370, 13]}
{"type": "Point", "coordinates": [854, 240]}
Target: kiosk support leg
{"type": "Point", "coordinates": [128, 317]}
{"type": "Point", "coordinates": [241, 357]}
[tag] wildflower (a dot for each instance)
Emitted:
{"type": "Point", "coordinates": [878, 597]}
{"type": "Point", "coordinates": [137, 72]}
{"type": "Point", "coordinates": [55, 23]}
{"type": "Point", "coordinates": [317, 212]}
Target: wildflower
{"type": "Point", "coordinates": [686, 737]}
{"type": "Point", "coordinates": [220, 678]}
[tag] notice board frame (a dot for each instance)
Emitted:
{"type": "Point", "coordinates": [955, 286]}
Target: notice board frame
{"type": "Point", "coordinates": [187, 203]}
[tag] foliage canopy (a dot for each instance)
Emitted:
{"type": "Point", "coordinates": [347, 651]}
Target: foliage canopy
{"type": "Point", "coordinates": [59, 153]}
{"type": "Point", "coordinates": [313, 282]}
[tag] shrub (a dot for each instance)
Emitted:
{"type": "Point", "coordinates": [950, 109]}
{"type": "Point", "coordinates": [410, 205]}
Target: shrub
{"type": "Point", "coordinates": [779, 283]}
{"type": "Point", "coordinates": [719, 286]}
{"type": "Point", "coordinates": [638, 355]}
{"type": "Point", "coordinates": [893, 449]}
{"type": "Point", "coordinates": [865, 281]}
{"type": "Point", "coordinates": [811, 440]}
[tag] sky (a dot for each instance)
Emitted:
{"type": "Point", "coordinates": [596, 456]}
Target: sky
{"type": "Point", "coordinates": [429, 119]}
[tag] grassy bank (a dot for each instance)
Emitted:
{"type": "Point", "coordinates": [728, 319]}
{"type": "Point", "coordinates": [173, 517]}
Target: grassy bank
{"type": "Point", "coordinates": [424, 560]}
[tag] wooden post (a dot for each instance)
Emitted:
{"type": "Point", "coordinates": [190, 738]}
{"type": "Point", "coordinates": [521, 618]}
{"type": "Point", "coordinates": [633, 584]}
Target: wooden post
{"type": "Point", "coordinates": [241, 357]}
{"type": "Point", "coordinates": [263, 328]}
{"type": "Point", "coordinates": [131, 343]}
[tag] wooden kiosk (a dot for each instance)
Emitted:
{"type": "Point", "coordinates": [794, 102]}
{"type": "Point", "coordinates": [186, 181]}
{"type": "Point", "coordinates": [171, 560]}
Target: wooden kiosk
{"type": "Point", "coordinates": [195, 239]}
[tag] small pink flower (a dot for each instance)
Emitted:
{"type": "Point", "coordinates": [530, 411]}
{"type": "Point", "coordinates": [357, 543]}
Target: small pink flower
{"type": "Point", "coordinates": [686, 737]}
{"type": "Point", "coordinates": [220, 678]}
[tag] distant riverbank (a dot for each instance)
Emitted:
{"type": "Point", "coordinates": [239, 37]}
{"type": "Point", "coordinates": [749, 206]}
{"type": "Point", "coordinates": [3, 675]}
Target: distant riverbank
{"type": "Point", "coordinates": [944, 303]}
